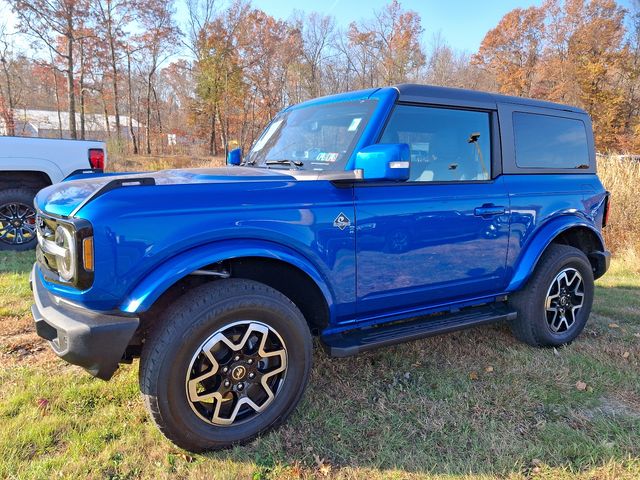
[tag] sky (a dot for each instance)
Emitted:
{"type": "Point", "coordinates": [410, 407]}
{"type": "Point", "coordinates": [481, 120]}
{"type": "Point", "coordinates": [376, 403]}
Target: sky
{"type": "Point", "coordinates": [461, 23]}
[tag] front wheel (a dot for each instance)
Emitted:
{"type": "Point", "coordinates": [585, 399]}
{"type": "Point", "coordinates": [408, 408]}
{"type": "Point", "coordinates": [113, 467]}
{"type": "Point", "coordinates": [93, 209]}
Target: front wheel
{"type": "Point", "coordinates": [554, 306]}
{"type": "Point", "coordinates": [229, 361]}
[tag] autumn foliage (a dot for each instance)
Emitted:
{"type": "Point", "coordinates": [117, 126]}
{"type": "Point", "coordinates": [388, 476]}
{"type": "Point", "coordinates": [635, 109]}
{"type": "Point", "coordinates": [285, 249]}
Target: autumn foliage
{"type": "Point", "coordinates": [211, 79]}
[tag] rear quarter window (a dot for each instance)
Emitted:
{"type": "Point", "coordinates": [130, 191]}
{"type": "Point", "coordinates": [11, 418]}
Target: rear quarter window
{"type": "Point", "coordinates": [545, 141]}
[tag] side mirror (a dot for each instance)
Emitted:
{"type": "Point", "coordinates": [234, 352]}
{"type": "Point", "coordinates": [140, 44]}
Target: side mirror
{"type": "Point", "coordinates": [234, 157]}
{"type": "Point", "coordinates": [384, 161]}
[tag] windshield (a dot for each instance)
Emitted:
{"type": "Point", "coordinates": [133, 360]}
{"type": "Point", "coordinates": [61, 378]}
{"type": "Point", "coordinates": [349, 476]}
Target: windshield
{"type": "Point", "coordinates": [317, 137]}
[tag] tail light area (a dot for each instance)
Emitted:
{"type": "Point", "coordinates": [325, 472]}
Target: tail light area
{"type": "Point", "coordinates": [607, 210]}
{"type": "Point", "coordinates": [96, 158]}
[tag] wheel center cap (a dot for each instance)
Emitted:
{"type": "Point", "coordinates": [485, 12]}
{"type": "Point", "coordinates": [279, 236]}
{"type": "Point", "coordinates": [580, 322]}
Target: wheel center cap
{"type": "Point", "coordinates": [238, 373]}
{"type": "Point", "coordinates": [17, 223]}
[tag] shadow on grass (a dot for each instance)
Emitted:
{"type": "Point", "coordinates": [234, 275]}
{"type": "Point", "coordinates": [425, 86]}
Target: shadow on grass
{"type": "Point", "coordinates": [469, 402]}
{"type": "Point", "coordinates": [16, 262]}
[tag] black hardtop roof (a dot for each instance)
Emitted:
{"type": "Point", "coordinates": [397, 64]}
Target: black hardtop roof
{"type": "Point", "coordinates": [415, 92]}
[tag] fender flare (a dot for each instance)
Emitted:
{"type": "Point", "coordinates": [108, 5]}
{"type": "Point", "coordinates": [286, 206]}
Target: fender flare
{"type": "Point", "coordinates": [528, 259]}
{"type": "Point", "coordinates": [158, 281]}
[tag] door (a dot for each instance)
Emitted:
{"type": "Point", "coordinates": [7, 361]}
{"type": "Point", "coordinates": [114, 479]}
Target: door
{"type": "Point", "coordinates": [442, 236]}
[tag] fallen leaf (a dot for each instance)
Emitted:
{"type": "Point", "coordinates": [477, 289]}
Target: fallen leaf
{"type": "Point", "coordinates": [407, 375]}
{"type": "Point", "coordinates": [187, 458]}
{"type": "Point", "coordinates": [614, 325]}
{"type": "Point", "coordinates": [43, 405]}
{"type": "Point", "coordinates": [473, 375]}
{"type": "Point", "coordinates": [323, 468]}
{"type": "Point", "coordinates": [580, 385]}
{"type": "Point", "coordinates": [489, 369]}
{"type": "Point", "coordinates": [625, 355]}
{"type": "Point", "coordinates": [556, 352]}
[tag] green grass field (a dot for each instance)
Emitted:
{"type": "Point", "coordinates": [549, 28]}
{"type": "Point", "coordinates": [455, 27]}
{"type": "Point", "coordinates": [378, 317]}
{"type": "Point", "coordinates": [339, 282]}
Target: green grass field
{"type": "Point", "coordinates": [474, 404]}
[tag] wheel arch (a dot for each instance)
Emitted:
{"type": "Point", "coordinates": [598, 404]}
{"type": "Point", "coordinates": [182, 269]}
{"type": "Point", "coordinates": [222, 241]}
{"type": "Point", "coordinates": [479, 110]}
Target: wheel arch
{"type": "Point", "coordinates": [25, 178]}
{"type": "Point", "coordinates": [272, 264]}
{"type": "Point", "coordinates": [564, 231]}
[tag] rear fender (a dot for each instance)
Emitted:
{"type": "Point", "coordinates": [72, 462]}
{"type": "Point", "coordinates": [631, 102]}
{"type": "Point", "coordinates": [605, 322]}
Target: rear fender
{"type": "Point", "coordinates": [159, 280]}
{"type": "Point", "coordinates": [531, 254]}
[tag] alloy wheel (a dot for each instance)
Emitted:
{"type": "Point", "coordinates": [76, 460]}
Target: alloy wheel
{"type": "Point", "coordinates": [17, 223]}
{"type": "Point", "coordinates": [236, 373]}
{"type": "Point", "coordinates": [564, 300]}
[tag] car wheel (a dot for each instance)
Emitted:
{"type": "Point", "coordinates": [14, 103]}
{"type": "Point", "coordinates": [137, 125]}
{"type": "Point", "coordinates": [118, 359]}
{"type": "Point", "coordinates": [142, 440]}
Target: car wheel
{"type": "Point", "coordinates": [17, 219]}
{"type": "Point", "coordinates": [554, 306]}
{"type": "Point", "coordinates": [228, 361]}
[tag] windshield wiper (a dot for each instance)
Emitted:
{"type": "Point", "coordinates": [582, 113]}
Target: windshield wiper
{"type": "Point", "coordinates": [295, 163]}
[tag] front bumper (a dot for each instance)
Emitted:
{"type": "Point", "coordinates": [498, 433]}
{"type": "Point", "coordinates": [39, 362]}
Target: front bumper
{"type": "Point", "coordinates": [95, 341]}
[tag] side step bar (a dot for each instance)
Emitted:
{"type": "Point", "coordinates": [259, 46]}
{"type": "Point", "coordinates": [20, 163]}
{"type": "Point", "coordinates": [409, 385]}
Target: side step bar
{"type": "Point", "coordinates": [353, 342]}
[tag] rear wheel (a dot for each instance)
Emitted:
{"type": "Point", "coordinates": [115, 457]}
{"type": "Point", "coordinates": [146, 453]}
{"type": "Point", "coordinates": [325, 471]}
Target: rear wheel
{"type": "Point", "coordinates": [554, 306]}
{"type": "Point", "coordinates": [17, 219]}
{"type": "Point", "coordinates": [229, 361]}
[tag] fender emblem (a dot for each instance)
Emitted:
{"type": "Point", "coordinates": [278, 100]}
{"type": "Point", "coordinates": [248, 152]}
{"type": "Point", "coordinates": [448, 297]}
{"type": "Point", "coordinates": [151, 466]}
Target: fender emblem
{"type": "Point", "coordinates": [341, 221]}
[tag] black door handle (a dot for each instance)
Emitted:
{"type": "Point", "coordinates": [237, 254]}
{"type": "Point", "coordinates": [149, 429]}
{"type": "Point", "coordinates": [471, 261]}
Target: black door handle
{"type": "Point", "coordinates": [488, 210]}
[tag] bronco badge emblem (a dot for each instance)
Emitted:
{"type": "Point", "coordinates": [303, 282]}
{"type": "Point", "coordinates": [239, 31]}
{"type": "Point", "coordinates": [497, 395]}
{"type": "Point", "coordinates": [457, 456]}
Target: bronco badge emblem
{"type": "Point", "coordinates": [341, 221]}
{"type": "Point", "coordinates": [238, 372]}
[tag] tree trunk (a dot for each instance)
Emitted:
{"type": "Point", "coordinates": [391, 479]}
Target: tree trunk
{"type": "Point", "coordinates": [9, 120]}
{"type": "Point", "coordinates": [82, 99]}
{"type": "Point", "coordinates": [105, 111]}
{"type": "Point", "coordinates": [213, 150]}
{"type": "Point", "coordinates": [70, 83]}
{"type": "Point", "coordinates": [148, 126]}
{"type": "Point", "coordinates": [130, 98]}
{"type": "Point", "coordinates": [114, 72]}
{"type": "Point", "coordinates": [55, 86]}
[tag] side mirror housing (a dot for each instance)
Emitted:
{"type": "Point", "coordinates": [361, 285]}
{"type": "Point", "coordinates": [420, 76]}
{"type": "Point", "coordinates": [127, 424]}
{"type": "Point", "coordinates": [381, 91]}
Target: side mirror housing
{"type": "Point", "coordinates": [234, 157]}
{"type": "Point", "coordinates": [384, 161]}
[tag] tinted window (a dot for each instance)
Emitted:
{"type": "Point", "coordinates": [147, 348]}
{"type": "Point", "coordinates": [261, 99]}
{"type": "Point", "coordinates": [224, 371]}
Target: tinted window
{"type": "Point", "coordinates": [543, 141]}
{"type": "Point", "coordinates": [446, 145]}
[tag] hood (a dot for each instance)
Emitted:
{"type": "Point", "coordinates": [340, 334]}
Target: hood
{"type": "Point", "coordinates": [63, 198]}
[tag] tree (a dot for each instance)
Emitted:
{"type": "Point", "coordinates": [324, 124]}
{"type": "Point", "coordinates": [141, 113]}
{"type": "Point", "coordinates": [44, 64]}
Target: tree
{"type": "Point", "coordinates": [511, 52]}
{"type": "Point", "coordinates": [112, 17]}
{"type": "Point", "coordinates": [157, 44]}
{"type": "Point", "coordinates": [316, 36]}
{"type": "Point", "coordinates": [8, 97]}
{"type": "Point", "coordinates": [49, 20]}
{"type": "Point", "coordinates": [387, 49]}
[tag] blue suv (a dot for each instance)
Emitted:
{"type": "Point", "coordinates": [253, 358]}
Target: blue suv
{"type": "Point", "coordinates": [367, 219]}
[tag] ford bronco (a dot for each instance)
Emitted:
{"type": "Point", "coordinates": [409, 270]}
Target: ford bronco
{"type": "Point", "coordinates": [367, 219]}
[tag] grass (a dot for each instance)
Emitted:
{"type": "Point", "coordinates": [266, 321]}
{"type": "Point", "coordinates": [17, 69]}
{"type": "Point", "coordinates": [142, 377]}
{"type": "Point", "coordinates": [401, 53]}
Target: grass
{"type": "Point", "coordinates": [474, 404]}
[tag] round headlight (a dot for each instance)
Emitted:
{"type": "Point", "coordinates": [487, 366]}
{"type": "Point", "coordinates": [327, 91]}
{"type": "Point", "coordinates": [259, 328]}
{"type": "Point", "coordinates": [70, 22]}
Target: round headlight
{"type": "Point", "coordinates": [66, 263]}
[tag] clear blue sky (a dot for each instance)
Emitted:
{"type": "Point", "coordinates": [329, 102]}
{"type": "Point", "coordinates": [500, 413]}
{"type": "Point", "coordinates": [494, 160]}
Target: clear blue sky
{"type": "Point", "coordinates": [463, 23]}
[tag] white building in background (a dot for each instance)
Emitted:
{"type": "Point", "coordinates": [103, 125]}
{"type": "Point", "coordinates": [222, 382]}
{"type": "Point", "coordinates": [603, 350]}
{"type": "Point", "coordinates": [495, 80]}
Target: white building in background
{"type": "Point", "coordinates": [46, 124]}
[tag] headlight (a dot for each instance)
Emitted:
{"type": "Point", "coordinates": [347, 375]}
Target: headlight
{"type": "Point", "coordinates": [66, 255]}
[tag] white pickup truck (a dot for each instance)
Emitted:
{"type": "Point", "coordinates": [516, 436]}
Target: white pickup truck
{"type": "Point", "coordinates": [28, 165]}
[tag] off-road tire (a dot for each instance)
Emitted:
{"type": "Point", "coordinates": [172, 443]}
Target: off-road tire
{"type": "Point", "coordinates": [188, 322]}
{"type": "Point", "coordinates": [531, 325]}
{"type": "Point", "coordinates": [23, 196]}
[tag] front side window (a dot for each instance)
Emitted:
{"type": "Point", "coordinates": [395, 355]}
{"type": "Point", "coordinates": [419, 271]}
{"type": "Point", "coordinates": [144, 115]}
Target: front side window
{"type": "Point", "coordinates": [315, 137]}
{"type": "Point", "coordinates": [446, 145]}
{"type": "Point", "coordinates": [544, 141]}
